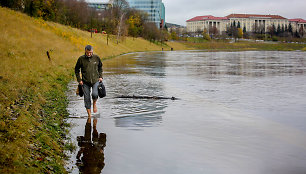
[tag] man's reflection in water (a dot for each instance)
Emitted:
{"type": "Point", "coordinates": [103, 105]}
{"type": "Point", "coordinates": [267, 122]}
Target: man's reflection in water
{"type": "Point", "coordinates": [92, 160]}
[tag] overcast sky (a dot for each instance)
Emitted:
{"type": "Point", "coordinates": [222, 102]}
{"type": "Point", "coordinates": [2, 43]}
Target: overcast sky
{"type": "Point", "coordinates": [178, 11]}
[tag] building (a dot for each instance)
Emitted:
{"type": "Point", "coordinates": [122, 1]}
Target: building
{"type": "Point", "coordinates": [99, 5]}
{"type": "Point", "coordinates": [248, 22]}
{"type": "Point", "coordinates": [180, 30]}
{"type": "Point", "coordinates": [258, 23]}
{"type": "Point", "coordinates": [199, 23]}
{"type": "Point", "coordinates": [154, 8]}
{"type": "Point", "coordinates": [298, 24]}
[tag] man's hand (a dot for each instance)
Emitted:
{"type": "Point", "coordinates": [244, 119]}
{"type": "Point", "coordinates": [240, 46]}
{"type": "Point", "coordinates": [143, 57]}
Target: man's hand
{"type": "Point", "coordinates": [81, 82]}
{"type": "Point", "coordinates": [100, 79]}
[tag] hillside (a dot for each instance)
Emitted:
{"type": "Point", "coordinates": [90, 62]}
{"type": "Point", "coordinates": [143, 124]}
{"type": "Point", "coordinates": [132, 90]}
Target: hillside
{"type": "Point", "coordinates": [32, 87]}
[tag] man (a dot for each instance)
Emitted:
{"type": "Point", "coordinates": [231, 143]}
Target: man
{"type": "Point", "coordinates": [91, 69]}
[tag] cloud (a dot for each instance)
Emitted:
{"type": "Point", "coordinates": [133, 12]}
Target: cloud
{"type": "Point", "coordinates": [178, 11]}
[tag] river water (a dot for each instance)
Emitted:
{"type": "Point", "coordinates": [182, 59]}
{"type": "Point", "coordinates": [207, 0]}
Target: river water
{"type": "Point", "coordinates": [238, 112]}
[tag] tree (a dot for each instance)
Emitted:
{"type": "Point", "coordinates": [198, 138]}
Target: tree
{"type": "Point", "coordinates": [206, 35]}
{"type": "Point", "coordinates": [301, 31]}
{"type": "Point", "coordinates": [278, 31]}
{"type": "Point", "coordinates": [244, 29]}
{"type": "Point", "coordinates": [272, 30]}
{"type": "Point", "coordinates": [120, 4]}
{"type": "Point", "coordinates": [173, 35]}
{"type": "Point", "coordinates": [296, 34]}
{"type": "Point", "coordinates": [135, 23]}
{"type": "Point", "coordinates": [132, 26]}
{"type": "Point", "coordinates": [290, 30]}
{"type": "Point", "coordinates": [235, 32]}
{"type": "Point", "coordinates": [118, 12]}
{"type": "Point", "coordinates": [13, 4]}
{"type": "Point", "coordinates": [238, 25]}
{"type": "Point", "coordinates": [240, 33]}
{"type": "Point", "coordinates": [213, 30]}
{"type": "Point", "coordinates": [198, 32]}
{"type": "Point", "coordinates": [151, 32]}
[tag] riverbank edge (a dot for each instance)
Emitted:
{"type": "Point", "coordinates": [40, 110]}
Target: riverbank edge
{"type": "Point", "coordinates": [244, 46]}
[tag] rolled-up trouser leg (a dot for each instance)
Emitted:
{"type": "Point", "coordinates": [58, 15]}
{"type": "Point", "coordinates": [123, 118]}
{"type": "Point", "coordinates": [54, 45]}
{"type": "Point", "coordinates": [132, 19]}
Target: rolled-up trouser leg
{"type": "Point", "coordinates": [95, 91]}
{"type": "Point", "coordinates": [87, 99]}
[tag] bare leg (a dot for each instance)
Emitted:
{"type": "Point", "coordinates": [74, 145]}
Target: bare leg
{"type": "Point", "coordinates": [95, 109]}
{"type": "Point", "coordinates": [89, 113]}
{"type": "Point", "coordinates": [95, 123]}
{"type": "Point", "coordinates": [88, 120]}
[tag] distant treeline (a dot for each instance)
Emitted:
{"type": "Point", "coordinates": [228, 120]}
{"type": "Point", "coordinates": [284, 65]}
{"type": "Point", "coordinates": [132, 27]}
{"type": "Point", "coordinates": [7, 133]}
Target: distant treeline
{"type": "Point", "coordinates": [118, 19]}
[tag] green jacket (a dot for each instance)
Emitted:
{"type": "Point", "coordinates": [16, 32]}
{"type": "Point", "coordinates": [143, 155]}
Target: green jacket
{"type": "Point", "coordinates": [91, 68]}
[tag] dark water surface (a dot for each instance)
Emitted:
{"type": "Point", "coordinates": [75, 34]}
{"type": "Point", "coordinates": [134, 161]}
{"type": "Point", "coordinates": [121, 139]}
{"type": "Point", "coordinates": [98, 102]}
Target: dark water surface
{"type": "Point", "coordinates": [239, 112]}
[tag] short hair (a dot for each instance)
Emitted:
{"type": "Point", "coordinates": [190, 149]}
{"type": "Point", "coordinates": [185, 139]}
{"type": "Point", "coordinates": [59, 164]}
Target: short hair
{"type": "Point", "coordinates": [88, 48]}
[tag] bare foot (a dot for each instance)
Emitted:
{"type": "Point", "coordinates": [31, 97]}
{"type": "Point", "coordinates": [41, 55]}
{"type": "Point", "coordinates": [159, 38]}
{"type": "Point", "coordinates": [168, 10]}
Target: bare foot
{"type": "Point", "coordinates": [89, 113]}
{"type": "Point", "coordinates": [95, 110]}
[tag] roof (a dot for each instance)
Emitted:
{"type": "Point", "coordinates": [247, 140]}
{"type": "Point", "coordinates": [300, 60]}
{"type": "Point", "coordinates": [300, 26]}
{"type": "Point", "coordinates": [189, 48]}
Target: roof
{"type": "Point", "coordinates": [255, 16]}
{"type": "Point", "coordinates": [205, 18]}
{"type": "Point", "coordinates": [298, 20]}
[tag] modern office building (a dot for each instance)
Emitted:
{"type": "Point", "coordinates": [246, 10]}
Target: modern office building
{"type": "Point", "coordinates": [154, 8]}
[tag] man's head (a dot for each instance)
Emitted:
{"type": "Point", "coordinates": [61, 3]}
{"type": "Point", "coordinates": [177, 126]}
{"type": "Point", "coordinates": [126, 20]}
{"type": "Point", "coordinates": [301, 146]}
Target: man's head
{"type": "Point", "coordinates": [88, 50]}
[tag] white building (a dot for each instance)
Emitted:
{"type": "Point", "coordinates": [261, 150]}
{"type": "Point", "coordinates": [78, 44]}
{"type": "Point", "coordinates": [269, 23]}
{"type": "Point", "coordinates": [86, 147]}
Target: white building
{"type": "Point", "coordinates": [249, 22]}
{"type": "Point", "coordinates": [298, 24]}
{"type": "Point", "coordinates": [199, 23]}
{"type": "Point", "coordinates": [259, 23]}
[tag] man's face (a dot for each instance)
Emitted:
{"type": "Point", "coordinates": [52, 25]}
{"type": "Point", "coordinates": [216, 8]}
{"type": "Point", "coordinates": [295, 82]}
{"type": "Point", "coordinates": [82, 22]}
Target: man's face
{"type": "Point", "coordinates": [88, 53]}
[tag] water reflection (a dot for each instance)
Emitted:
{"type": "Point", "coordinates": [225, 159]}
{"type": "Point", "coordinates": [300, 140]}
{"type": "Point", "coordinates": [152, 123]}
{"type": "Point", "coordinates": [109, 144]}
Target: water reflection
{"type": "Point", "coordinates": [152, 64]}
{"type": "Point", "coordinates": [136, 74]}
{"type": "Point", "coordinates": [90, 157]}
{"type": "Point", "coordinates": [138, 112]}
{"type": "Point", "coordinates": [249, 64]}
{"type": "Point", "coordinates": [153, 118]}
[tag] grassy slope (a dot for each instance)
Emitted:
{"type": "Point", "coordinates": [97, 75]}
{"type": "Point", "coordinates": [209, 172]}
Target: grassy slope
{"type": "Point", "coordinates": [32, 88]}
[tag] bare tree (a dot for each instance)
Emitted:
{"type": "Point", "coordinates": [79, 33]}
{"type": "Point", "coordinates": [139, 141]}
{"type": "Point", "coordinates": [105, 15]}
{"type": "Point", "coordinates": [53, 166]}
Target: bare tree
{"type": "Point", "coordinates": [119, 10]}
{"type": "Point", "coordinates": [301, 31]}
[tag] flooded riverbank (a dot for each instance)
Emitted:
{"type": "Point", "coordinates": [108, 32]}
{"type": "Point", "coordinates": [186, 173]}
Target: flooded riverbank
{"type": "Point", "coordinates": [239, 112]}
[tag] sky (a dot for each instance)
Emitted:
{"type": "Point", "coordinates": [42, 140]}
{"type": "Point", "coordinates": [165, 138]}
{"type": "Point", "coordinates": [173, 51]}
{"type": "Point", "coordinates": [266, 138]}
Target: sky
{"type": "Point", "coordinates": [178, 11]}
